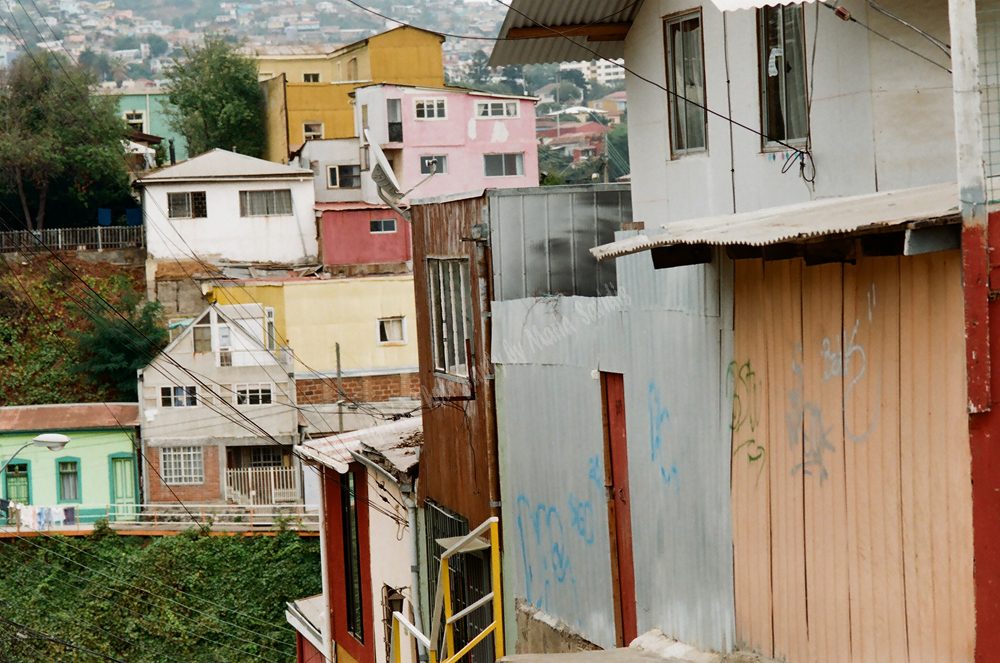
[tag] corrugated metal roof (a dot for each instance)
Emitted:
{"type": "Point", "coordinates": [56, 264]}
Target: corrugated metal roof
{"type": "Point", "coordinates": [397, 442]}
{"type": "Point", "coordinates": [72, 416]}
{"type": "Point", "coordinates": [732, 5]}
{"type": "Point", "coordinates": [223, 164]}
{"type": "Point", "coordinates": [833, 216]}
{"type": "Point", "coordinates": [554, 13]}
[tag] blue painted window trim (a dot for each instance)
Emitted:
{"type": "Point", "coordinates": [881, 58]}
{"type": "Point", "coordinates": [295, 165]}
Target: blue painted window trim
{"type": "Point", "coordinates": [3, 477]}
{"type": "Point", "coordinates": [79, 480]}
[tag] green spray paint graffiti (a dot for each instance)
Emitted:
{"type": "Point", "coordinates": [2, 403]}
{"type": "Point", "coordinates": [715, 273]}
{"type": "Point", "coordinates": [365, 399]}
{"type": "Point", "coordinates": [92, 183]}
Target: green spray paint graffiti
{"type": "Point", "coordinates": [742, 385]}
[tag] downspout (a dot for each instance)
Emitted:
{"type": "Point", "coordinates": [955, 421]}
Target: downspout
{"type": "Point", "coordinates": [481, 238]}
{"type": "Point", "coordinates": [409, 499]}
{"type": "Point", "coordinates": [327, 622]}
{"type": "Point", "coordinates": [972, 199]}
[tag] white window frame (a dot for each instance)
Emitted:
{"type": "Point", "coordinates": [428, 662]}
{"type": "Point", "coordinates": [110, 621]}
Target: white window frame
{"type": "Point", "coordinates": [248, 389]}
{"type": "Point", "coordinates": [419, 104]}
{"type": "Point", "coordinates": [505, 107]}
{"type": "Point", "coordinates": [178, 394]}
{"type": "Point", "coordinates": [442, 164]}
{"type": "Point", "coordinates": [270, 330]}
{"type": "Point", "coordinates": [244, 200]}
{"type": "Point", "coordinates": [450, 299]}
{"type": "Point", "coordinates": [312, 135]}
{"type": "Point", "coordinates": [333, 178]}
{"type": "Point", "coordinates": [306, 74]}
{"type": "Point", "coordinates": [182, 466]}
{"type": "Point", "coordinates": [395, 226]}
{"type": "Point", "coordinates": [519, 164]}
{"type": "Point", "coordinates": [402, 325]}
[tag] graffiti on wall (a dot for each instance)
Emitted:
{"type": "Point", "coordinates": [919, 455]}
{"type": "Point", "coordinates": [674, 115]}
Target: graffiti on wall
{"type": "Point", "coordinates": [742, 384]}
{"type": "Point", "coordinates": [658, 416]}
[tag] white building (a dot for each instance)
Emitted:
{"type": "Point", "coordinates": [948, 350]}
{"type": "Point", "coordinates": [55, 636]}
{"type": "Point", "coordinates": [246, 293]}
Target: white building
{"type": "Point", "coordinates": [230, 207]}
{"type": "Point", "coordinates": [602, 71]}
{"type": "Point", "coordinates": [336, 165]}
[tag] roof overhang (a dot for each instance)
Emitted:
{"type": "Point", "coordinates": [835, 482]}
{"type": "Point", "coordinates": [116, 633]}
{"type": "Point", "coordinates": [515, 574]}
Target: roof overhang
{"type": "Point", "coordinates": [733, 5]}
{"type": "Point", "coordinates": [904, 222]}
{"type": "Point", "coordinates": [544, 31]}
{"type": "Point", "coordinates": [305, 616]}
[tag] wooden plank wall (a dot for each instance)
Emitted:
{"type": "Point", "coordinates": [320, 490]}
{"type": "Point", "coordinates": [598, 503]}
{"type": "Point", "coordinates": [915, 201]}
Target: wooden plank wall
{"type": "Point", "coordinates": [851, 491]}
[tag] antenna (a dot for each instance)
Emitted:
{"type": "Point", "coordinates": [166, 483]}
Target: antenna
{"type": "Point", "coordinates": [385, 180]}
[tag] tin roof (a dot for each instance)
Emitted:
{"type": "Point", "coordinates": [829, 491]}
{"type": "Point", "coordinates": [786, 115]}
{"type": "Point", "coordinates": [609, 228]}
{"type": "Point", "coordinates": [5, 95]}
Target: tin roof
{"type": "Point", "coordinates": [221, 164]}
{"type": "Point", "coordinates": [71, 416]}
{"type": "Point", "coordinates": [396, 442]}
{"type": "Point", "coordinates": [555, 13]}
{"type": "Point", "coordinates": [803, 221]}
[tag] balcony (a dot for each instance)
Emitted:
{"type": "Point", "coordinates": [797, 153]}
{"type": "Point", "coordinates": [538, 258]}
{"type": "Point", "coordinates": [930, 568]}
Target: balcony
{"type": "Point", "coordinates": [263, 485]}
{"type": "Point", "coordinates": [74, 239]}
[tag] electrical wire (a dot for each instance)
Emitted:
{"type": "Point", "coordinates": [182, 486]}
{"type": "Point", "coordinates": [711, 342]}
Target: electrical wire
{"type": "Point", "coordinates": [50, 638]}
{"type": "Point", "coordinates": [945, 48]}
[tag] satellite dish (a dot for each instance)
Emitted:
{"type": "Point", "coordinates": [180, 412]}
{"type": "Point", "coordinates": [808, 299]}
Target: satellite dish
{"type": "Point", "coordinates": [385, 180]}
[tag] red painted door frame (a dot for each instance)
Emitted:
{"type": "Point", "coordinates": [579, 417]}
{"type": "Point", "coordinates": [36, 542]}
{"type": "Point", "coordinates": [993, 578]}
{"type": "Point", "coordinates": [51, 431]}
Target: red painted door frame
{"type": "Point", "coordinates": [363, 652]}
{"type": "Point", "coordinates": [619, 508]}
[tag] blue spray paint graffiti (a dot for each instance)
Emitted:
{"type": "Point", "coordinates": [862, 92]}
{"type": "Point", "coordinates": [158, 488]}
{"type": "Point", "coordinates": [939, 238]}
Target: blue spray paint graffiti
{"type": "Point", "coordinates": [596, 473]}
{"type": "Point", "coordinates": [547, 566]}
{"type": "Point", "coordinates": [658, 415]}
{"type": "Point", "coordinates": [583, 518]}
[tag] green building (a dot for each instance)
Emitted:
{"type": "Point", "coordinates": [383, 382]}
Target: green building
{"type": "Point", "coordinates": [144, 108]}
{"type": "Point", "coordinates": [96, 473]}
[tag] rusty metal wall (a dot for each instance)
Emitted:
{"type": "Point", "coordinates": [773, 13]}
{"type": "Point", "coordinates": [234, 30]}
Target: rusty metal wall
{"type": "Point", "coordinates": [852, 503]}
{"type": "Point", "coordinates": [541, 239]}
{"type": "Point", "coordinates": [668, 333]}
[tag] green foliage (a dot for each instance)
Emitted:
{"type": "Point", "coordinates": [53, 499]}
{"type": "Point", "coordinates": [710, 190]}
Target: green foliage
{"type": "Point", "coordinates": [553, 164]}
{"type": "Point", "coordinates": [116, 346]}
{"type": "Point", "coordinates": [99, 597]}
{"type": "Point", "coordinates": [216, 100]}
{"type": "Point", "coordinates": [479, 70]}
{"type": "Point", "coordinates": [574, 76]}
{"type": "Point", "coordinates": [618, 151]}
{"type": "Point", "coordinates": [57, 138]}
{"type": "Point", "coordinates": [124, 43]}
{"type": "Point", "coordinates": [537, 76]}
{"type": "Point", "coordinates": [157, 45]}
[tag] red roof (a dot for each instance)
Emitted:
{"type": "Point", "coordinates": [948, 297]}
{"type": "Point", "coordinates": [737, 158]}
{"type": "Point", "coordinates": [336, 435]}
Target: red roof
{"type": "Point", "coordinates": [72, 416]}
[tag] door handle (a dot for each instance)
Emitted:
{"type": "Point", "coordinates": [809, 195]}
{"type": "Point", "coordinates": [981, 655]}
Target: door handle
{"type": "Point", "coordinates": [621, 494]}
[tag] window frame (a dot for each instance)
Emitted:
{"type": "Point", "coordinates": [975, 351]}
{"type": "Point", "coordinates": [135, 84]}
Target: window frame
{"type": "Point", "coordinates": [382, 222]}
{"type": "Point", "coordinates": [192, 212]}
{"type": "Point", "coordinates": [519, 162]}
{"type": "Point", "coordinates": [187, 394]}
{"type": "Point", "coordinates": [142, 119]}
{"type": "Point", "coordinates": [168, 475]}
{"type": "Point", "coordinates": [5, 477]}
{"type": "Point", "coordinates": [505, 103]}
{"type": "Point", "coordinates": [402, 331]}
{"type": "Point", "coordinates": [351, 532]}
{"type": "Point", "coordinates": [340, 175]}
{"type": "Point", "coordinates": [442, 160]}
{"type": "Point", "coordinates": [434, 101]}
{"type": "Point", "coordinates": [444, 341]}
{"type": "Point", "coordinates": [249, 387]}
{"type": "Point", "coordinates": [767, 145]}
{"type": "Point", "coordinates": [244, 198]}
{"type": "Point", "coordinates": [673, 107]}
{"type": "Point", "coordinates": [60, 497]}
{"type": "Point", "coordinates": [312, 135]}
{"type": "Point", "coordinates": [307, 74]}
{"type": "Point", "coordinates": [270, 329]}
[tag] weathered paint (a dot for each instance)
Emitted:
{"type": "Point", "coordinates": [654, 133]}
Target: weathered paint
{"type": "Point", "coordinates": [152, 102]}
{"type": "Point", "coordinates": [347, 238]}
{"type": "Point", "coordinates": [665, 332]}
{"type": "Point", "coordinates": [852, 509]}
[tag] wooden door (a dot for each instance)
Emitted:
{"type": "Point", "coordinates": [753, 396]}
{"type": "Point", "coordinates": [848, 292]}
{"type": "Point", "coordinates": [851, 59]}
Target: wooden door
{"type": "Point", "coordinates": [619, 507]}
{"type": "Point", "coordinates": [17, 483]}
{"type": "Point", "coordinates": [123, 488]}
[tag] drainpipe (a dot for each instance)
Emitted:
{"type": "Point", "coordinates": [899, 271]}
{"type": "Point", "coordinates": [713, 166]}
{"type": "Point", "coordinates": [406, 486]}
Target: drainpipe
{"type": "Point", "coordinates": [326, 623]}
{"type": "Point", "coordinates": [173, 155]}
{"type": "Point", "coordinates": [972, 197]}
{"type": "Point", "coordinates": [481, 237]}
{"type": "Point", "coordinates": [409, 499]}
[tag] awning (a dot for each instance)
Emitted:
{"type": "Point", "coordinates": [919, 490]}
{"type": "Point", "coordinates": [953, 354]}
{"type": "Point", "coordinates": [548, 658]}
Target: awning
{"type": "Point", "coordinates": [879, 212]}
{"type": "Point", "coordinates": [733, 5]}
{"type": "Point", "coordinates": [396, 442]}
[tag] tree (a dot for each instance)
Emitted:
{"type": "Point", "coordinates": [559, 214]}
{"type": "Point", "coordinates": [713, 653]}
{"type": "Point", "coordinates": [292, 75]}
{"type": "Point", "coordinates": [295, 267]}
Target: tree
{"type": "Point", "coordinates": [618, 152]}
{"type": "Point", "coordinates": [157, 45]}
{"type": "Point", "coordinates": [567, 92]}
{"type": "Point", "coordinates": [116, 346]}
{"type": "Point", "coordinates": [539, 75]}
{"type": "Point", "coordinates": [56, 135]}
{"type": "Point", "coordinates": [479, 71]}
{"type": "Point", "coordinates": [513, 77]}
{"type": "Point", "coordinates": [553, 165]}
{"type": "Point", "coordinates": [574, 76]}
{"type": "Point", "coordinates": [216, 101]}
{"type": "Point", "coordinates": [124, 43]}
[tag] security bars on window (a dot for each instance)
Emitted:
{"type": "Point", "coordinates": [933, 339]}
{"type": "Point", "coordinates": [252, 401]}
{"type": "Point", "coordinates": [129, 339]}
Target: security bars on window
{"type": "Point", "coordinates": [451, 313]}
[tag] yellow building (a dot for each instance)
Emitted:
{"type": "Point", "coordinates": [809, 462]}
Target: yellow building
{"type": "Point", "coordinates": [308, 92]}
{"type": "Point", "coordinates": [371, 317]}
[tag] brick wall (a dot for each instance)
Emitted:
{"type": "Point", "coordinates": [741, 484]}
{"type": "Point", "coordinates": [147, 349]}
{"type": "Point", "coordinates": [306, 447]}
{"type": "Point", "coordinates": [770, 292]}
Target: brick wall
{"type": "Point", "coordinates": [202, 493]}
{"type": "Point", "coordinates": [367, 388]}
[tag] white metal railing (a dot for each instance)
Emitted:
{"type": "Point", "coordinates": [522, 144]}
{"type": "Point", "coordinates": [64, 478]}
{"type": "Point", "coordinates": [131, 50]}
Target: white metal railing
{"type": "Point", "coordinates": [74, 239]}
{"type": "Point", "coordinates": [263, 485]}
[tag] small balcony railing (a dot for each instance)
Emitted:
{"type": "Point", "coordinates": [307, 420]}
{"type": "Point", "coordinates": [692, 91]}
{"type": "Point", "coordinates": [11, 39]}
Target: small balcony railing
{"type": "Point", "coordinates": [263, 485]}
{"type": "Point", "coordinates": [101, 238]}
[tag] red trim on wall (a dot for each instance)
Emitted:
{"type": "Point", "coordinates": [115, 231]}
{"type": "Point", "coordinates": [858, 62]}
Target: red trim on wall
{"type": "Point", "coordinates": [975, 279]}
{"type": "Point", "coordinates": [984, 431]}
{"type": "Point", "coordinates": [361, 652]}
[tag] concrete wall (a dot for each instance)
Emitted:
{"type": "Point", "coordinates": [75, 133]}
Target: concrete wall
{"type": "Point", "coordinates": [227, 235]}
{"type": "Point", "coordinates": [881, 117]}
{"type": "Point", "coordinates": [275, 119]}
{"type": "Point", "coordinates": [348, 240]}
{"type": "Point", "coordinates": [460, 136]}
{"type": "Point", "coordinates": [318, 155]}
{"type": "Point", "coordinates": [390, 557]}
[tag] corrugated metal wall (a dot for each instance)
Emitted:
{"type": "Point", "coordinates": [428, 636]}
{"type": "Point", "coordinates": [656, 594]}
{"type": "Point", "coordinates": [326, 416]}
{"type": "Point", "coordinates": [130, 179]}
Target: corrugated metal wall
{"type": "Point", "coordinates": [667, 334]}
{"type": "Point", "coordinates": [851, 499]}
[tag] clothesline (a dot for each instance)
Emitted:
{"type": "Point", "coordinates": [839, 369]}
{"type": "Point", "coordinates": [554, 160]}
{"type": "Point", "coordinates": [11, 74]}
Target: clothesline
{"type": "Point", "coordinates": [37, 517]}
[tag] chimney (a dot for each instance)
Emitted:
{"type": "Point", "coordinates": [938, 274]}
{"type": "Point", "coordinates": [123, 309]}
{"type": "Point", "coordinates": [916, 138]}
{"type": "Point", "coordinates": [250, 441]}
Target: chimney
{"type": "Point", "coordinates": [173, 155]}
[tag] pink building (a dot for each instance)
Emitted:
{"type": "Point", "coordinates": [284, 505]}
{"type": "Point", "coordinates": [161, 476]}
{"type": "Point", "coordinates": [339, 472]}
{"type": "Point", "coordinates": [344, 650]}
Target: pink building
{"type": "Point", "coordinates": [478, 140]}
{"type": "Point", "coordinates": [359, 233]}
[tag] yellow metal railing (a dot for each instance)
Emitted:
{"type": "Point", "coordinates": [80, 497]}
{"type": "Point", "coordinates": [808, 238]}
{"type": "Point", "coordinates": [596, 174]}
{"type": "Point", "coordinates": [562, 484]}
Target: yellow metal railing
{"type": "Point", "coordinates": [442, 602]}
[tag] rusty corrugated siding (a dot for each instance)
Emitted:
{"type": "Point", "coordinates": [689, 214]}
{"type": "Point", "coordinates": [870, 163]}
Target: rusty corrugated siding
{"type": "Point", "coordinates": [852, 508]}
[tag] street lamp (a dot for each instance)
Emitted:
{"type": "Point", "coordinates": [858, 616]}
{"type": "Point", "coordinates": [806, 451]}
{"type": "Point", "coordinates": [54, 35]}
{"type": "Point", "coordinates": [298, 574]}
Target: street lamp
{"type": "Point", "coordinates": [50, 441]}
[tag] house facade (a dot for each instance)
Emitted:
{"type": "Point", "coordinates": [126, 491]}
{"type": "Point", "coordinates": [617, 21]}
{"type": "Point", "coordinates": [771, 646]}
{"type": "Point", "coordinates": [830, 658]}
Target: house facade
{"type": "Point", "coordinates": [477, 140]}
{"type": "Point", "coordinates": [95, 476]}
{"type": "Point", "coordinates": [218, 417]}
{"type": "Point", "coordinates": [144, 109]}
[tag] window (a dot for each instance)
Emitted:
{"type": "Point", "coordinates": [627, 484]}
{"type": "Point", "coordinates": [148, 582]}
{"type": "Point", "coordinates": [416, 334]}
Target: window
{"type": "Point", "coordinates": [202, 334]}
{"type": "Point", "coordinates": [18, 487]}
{"type": "Point", "coordinates": [451, 313]}
{"type": "Point", "coordinates": [352, 556]}
{"type": "Point", "coordinates": [187, 205]}
{"type": "Point", "coordinates": [394, 119]}
{"type": "Point", "coordinates": [343, 177]}
{"type": "Point", "coordinates": [182, 465]}
{"type": "Point", "coordinates": [364, 117]}
{"type": "Point", "coordinates": [253, 394]}
{"type": "Point", "coordinates": [686, 84]}
{"type": "Point", "coordinates": [135, 120]}
{"type": "Point", "coordinates": [430, 109]}
{"type": "Point", "coordinates": [265, 457]}
{"type": "Point", "coordinates": [272, 340]}
{"type": "Point", "coordinates": [178, 396]}
{"type": "Point", "coordinates": [440, 160]}
{"type": "Point", "coordinates": [365, 159]}
{"type": "Point", "coordinates": [352, 69]}
{"type": "Point", "coordinates": [391, 331]}
{"type": "Point", "coordinates": [783, 106]}
{"type": "Point", "coordinates": [497, 109]}
{"type": "Point", "coordinates": [266, 203]}
{"type": "Point", "coordinates": [69, 480]}
{"type": "Point", "coordinates": [312, 131]}
{"type": "Point", "coordinates": [503, 165]}
{"type": "Point", "coordinates": [310, 78]}
{"type": "Point", "coordinates": [382, 226]}
{"type": "Point", "coordinates": [225, 346]}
